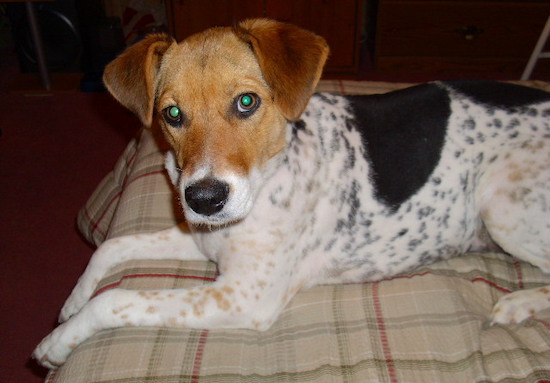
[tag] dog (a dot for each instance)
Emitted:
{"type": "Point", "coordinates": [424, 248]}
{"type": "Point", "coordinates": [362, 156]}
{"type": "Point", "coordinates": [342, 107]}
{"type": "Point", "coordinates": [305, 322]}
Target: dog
{"type": "Point", "coordinates": [285, 189]}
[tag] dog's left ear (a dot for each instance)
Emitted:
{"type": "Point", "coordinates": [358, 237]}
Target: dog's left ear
{"type": "Point", "coordinates": [291, 60]}
{"type": "Point", "coordinates": [131, 77]}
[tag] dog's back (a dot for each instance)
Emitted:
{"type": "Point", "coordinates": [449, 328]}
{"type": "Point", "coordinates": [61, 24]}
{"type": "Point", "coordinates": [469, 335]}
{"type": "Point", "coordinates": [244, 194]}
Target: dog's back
{"type": "Point", "coordinates": [388, 182]}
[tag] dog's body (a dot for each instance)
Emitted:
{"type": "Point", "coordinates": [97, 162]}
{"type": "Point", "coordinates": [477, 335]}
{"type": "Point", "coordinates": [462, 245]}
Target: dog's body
{"type": "Point", "coordinates": [352, 189]}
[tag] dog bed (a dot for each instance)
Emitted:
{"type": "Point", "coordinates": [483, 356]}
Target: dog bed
{"type": "Point", "coordinates": [431, 325]}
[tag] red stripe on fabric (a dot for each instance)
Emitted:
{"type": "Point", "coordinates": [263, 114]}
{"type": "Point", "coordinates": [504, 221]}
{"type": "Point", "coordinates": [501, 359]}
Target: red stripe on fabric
{"type": "Point", "coordinates": [407, 276]}
{"type": "Point", "coordinates": [492, 284]}
{"type": "Point", "coordinates": [149, 275]}
{"type": "Point", "coordinates": [95, 224]}
{"type": "Point", "coordinates": [519, 273]}
{"type": "Point", "coordinates": [199, 357]}
{"type": "Point", "coordinates": [545, 324]}
{"type": "Point", "coordinates": [341, 86]}
{"type": "Point", "coordinates": [383, 334]}
{"type": "Point", "coordinates": [51, 376]}
{"type": "Point", "coordinates": [478, 279]}
{"type": "Point", "coordinates": [145, 175]}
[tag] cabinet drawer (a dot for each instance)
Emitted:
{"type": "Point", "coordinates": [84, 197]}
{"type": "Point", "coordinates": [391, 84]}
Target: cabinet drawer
{"type": "Point", "coordinates": [459, 28]}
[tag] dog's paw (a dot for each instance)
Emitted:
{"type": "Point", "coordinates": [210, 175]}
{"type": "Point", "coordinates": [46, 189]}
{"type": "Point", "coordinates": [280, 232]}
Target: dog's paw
{"type": "Point", "coordinates": [80, 295]}
{"type": "Point", "coordinates": [55, 348]}
{"type": "Point", "coordinates": [520, 305]}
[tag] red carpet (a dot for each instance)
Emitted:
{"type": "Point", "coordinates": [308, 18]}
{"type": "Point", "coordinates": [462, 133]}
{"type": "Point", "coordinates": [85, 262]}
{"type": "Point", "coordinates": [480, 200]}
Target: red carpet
{"type": "Point", "coordinates": [53, 152]}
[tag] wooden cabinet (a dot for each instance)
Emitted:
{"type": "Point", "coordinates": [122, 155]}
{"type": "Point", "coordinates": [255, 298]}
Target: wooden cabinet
{"type": "Point", "coordinates": [457, 36]}
{"type": "Point", "coordinates": [338, 21]}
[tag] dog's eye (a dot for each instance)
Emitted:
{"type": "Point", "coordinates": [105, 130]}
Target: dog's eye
{"type": "Point", "coordinates": [247, 103]}
{"type": "Point", "coordinates": [173, 116]}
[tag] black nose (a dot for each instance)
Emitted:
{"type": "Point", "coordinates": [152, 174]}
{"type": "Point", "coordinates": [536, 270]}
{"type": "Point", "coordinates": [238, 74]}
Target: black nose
{"type": "Point", "coordinates": [207, 196]}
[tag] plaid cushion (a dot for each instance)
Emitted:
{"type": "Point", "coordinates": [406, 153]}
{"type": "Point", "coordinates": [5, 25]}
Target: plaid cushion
{"type": "Point", "coordinates": [431, 325]}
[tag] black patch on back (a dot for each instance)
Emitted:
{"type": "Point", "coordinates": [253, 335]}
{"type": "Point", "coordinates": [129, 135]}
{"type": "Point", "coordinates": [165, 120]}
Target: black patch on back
{"type": "Point", "coordinates": [499, 94]}
{"type": "Point", "coordinates": [403, 133]}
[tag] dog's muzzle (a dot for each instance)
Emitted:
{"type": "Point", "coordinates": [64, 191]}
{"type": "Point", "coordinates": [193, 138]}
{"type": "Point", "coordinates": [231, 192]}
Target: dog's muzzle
{"type": "Point", "coordinates": [207, 196]}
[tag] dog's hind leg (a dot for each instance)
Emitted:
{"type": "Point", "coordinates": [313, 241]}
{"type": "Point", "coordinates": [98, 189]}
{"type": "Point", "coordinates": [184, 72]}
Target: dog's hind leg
{"type": "Point", "coordinates": [516, 214]}
{"type": "Point", "coordinates": [172, 243]}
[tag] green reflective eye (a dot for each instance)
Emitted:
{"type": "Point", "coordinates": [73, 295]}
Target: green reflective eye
{"type": "Point", "coordinates": [247, 103]}
{"type": "Point", "coordinates": [173, 115]}
{"type": "Point", "coordinates": [246, 100]}
{"type": "Point", "coordinates": [174, 112]}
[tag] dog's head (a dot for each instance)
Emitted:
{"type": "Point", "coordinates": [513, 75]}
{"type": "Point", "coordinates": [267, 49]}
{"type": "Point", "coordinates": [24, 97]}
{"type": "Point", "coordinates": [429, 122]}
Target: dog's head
{"type": "Point", "coordinates": [223, 98]}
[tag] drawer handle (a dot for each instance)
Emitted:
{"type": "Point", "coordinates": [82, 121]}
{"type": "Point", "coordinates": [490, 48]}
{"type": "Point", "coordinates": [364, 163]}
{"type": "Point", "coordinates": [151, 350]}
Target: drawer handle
{"type": "Point", "coordinates": [469, 32]}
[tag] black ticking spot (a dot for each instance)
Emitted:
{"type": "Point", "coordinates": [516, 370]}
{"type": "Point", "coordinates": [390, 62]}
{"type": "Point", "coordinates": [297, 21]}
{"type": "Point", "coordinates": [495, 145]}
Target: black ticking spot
{"type": "Point", "coordinates": [500, 94]}
{"type": "Point", "coordinates": [298, 126]}
{"type": "Point", "coordinates": [326, 99]}
{"type": "Point", "coordinates": [403, 133]}
{"type": "Point", "coordinates": [470, 124]}
{"type": "Point", "coordinates": [514, 123]}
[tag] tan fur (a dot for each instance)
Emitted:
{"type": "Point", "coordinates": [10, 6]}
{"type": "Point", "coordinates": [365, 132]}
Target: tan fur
{"type": "Point", "coordinates": [205, 73]}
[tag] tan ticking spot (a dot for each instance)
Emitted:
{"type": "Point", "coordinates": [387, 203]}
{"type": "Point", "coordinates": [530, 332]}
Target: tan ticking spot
{"type": "Point", "coordinates": [219, 298]}
{"type": "Point", "coordinates": [183, 314]}
{"type": "Point", "coordinates": [262, 284]}
{"type": "Point", "coordinates": [128, 324]}
{"type": "Point", "coordinates": [151, 310]}
{"type": "Point", "coordinates": [515, 176]}
{"type": "Point", "coordinates": [173, 322]}
{"type": "Point", "coordinates": [144, 295]}
{"type": "Point", "coordinates": [227, 290]}
{"type": "Point", "coordinates": [544, 290]}
{"type": "Point", "coordinates": [120, 309]}
{"type": "Point", "coordinates": [72, 346]}
{"type": "Point", "coordinates": [197, 311]}
{"type": "Point", "coordinates": [124, 316]}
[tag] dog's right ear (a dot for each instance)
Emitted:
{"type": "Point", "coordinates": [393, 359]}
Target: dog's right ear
{"type": "Point", "coordinates": [131, 77]}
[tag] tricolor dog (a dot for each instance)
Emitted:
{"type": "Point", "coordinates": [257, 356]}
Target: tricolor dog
{"type": "Point", "coordinates": [285, 189]}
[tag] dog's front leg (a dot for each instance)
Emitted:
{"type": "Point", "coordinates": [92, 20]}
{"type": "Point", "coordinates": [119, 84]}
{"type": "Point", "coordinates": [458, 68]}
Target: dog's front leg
{"type": "Point", "coordinates": [239, 301]}
{"type": "Point", "coordinates": [171, 243]}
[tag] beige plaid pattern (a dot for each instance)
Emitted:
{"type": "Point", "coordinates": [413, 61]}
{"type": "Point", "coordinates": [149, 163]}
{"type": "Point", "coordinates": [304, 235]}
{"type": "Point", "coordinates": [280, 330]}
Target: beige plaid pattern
{"type": "Point", "coordinates": [431, 325]}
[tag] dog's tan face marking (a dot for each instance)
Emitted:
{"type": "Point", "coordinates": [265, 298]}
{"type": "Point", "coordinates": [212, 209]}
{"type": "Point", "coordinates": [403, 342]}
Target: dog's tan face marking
{"type": "Point", "coordinates": [223, 98]}
{"type": "Point", "coordinates": [204, 76]}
